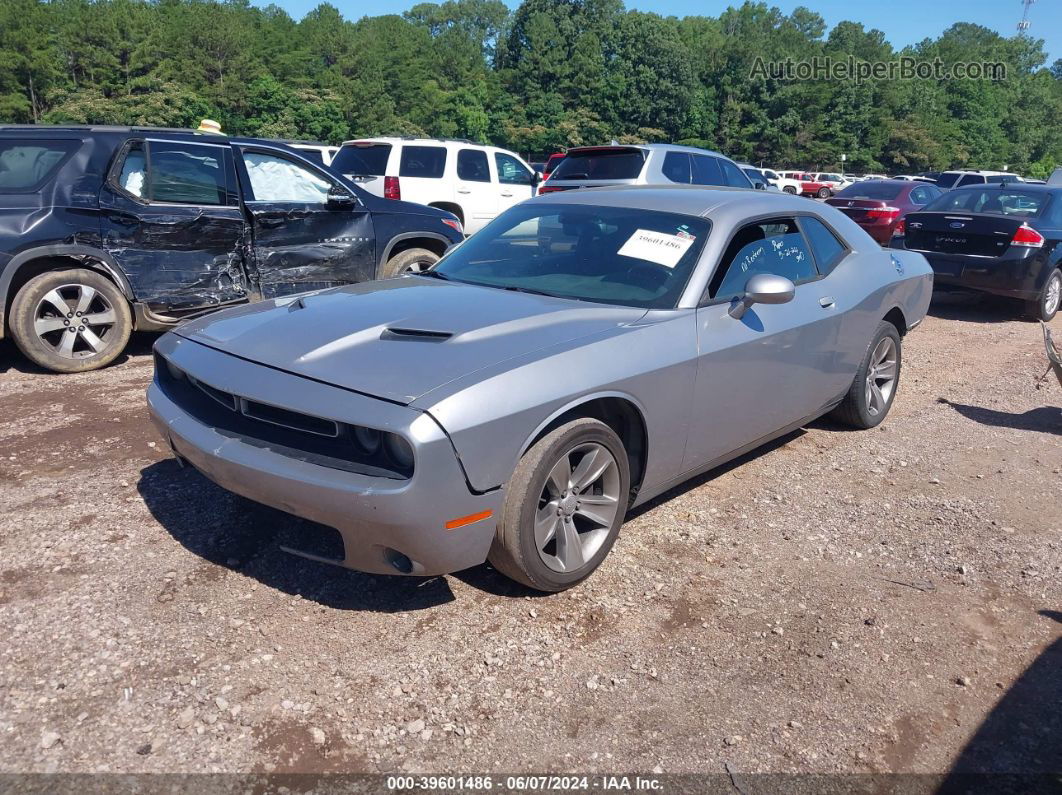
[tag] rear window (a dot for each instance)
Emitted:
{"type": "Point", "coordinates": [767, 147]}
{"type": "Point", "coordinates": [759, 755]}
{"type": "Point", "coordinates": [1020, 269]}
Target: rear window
{"type": "Point", "coordinates": [422, 161]}
{"type": "Point", "coordinates": [994, 201]}
{"type": "Point", "coordinates": [26, 164]}
{"type": "Point", "coordinates": [362, 161]}
{"type": "Point", "coordinates": [947, 180]}
{"type": "Point", "coordinates": [601, 164]}
{"type": "Point", "coordinates": [871, 190]}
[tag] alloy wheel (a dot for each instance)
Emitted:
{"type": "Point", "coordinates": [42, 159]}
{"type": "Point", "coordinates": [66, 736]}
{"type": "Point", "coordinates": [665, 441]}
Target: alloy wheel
{"type": "Point", "coordinates": [1053, 295]}
{"type": "Point", "coordinates": [74, 320]}
{"type": "Point", "coordinates": [881, 376]}
{"type": "Point", "coordinates": [577, 507]}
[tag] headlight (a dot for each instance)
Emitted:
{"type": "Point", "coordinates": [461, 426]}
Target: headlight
{"type": "Point", "coordinates": [398, 450]}
{"type": "Point", "coordinates": [175, 372]}
{"type": "Point", "coordinates": [368, 439]}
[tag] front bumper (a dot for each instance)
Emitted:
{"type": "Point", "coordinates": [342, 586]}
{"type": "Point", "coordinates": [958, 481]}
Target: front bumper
{"type": "Point", "coordinates": [388, 526]}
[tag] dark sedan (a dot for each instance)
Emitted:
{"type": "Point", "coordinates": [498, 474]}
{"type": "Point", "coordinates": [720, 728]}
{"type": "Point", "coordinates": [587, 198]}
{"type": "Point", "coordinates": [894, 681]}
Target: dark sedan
{"type": "Point", "coordinates": [879, 205]}
{"type": "Point", "coordinates": [1003, 239]}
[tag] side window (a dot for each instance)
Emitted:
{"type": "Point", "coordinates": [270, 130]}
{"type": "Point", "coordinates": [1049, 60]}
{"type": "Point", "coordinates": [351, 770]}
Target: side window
{"type": "Point", "coordinates": [185, 173]}
{"type": "Point", "coordinates": [276, 179]}
{"type": "Point", "coordinates": [920, 196]}
{"type": "Point", "coordinates": [706, 170]}
{"type": "Point", "coordinates": [25, 164]}
{"type": "Point", "coordinates": [422, 161]}
{"type": "Point", "coordinates": [734, 176]}
{"type": "Point", "coordinates": [472, 165]}
{"type": "Point", "coordinates": [677, 167]}
{"type": "Point", "coordinates": [133, 175]}
{"type": "Point", "coordinates": [773, 246]}
{"type": "Point", "coordinates": [971, 179]}
{"type": "Point", "coordinates": [827, 248]}
{"type": "Point", "coordinates": [510, 170]}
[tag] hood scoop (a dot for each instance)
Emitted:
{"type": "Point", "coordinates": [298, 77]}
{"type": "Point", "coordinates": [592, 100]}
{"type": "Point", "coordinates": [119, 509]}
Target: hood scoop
{"type": "Point", "coordinates": [423, 335]}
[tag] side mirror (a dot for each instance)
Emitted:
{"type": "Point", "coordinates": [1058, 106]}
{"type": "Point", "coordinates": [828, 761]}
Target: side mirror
{"type": "Point", "coordinates": [536, 179]}
{"type": "Point", "coordinates": [338, 196]}
{"type": "Point", "coordinates": [759, 185]}
{"type": "Point", "coordinates": [763, 288]}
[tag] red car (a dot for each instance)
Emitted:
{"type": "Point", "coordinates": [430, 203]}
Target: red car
{"type": "Point", "coordinates": [551, 163]}
{"type": "Point", "coordinates": [878, 205]}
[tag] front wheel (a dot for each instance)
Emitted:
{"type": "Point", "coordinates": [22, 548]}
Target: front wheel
{"type": "Point", "coordinates": [564, 506]}
{"type": "Point", "coordinates": [1046, 306]}
{"type": "Point", "coordinates": [412, 260]}
{"type": "Point", "coordinates": [874, 388]}
{"type": "Point", "coordinates": [70, 321]}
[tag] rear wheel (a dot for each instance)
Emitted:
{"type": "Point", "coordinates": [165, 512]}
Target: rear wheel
{"type": "Point", "coordinates": [70, 321]}
{"type": "Point", "coordinates": [874, 388]}
{"type": "Point", "coordinates": [825, 193]}
{"type": "Point", "coordinates": [789, 189]}
{"type": "Point", "coordinates": [1046, 306]}
{"type": "Point", "coordinates": [564, 507]}
{"type": "Point", "coordinates": [412, 260]}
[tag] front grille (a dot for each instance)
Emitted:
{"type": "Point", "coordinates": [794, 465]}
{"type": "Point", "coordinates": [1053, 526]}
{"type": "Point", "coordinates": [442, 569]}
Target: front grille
{"type": "Point", "coordinates": [315, 440]}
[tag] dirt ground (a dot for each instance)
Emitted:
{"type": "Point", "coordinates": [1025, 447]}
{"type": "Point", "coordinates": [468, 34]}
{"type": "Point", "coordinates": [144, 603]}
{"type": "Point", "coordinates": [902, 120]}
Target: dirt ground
{"type": "Point", "coordinates": [841, 601]}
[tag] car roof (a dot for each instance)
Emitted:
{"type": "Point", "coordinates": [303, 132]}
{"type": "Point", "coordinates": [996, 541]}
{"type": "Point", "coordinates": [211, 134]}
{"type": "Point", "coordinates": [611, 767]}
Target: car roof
{"type": "Point", "coordinates": [1032, 187]}
{"type": "Point", "coordinates": [698, 200]}
{"type": "Point", "coordinates": [648, 147]}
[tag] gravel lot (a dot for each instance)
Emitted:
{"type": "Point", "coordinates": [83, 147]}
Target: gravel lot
{"type": "Point", "coordinates": [887, 600]}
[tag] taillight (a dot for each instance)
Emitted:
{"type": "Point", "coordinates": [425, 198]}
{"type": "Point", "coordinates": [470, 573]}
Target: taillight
{"type": "Point", "coordinates": [548, 189]}
{"type": "Point", "coordinates": [883, 212]}
{"type": "Point", "coordinates": [1028, 237]}
{"type": "Point", "coordinates": [899, 229]}
{"type": "Point", "coordinates": [391, 188]}
{"type": "Point", "coordinates": [453, 223]}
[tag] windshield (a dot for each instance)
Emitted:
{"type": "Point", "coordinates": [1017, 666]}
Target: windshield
{"type": "Point", "coordinates": [995, 201]}
{"type": "Point", "coordinates": [362, 161]}
{"type": "Point", "coordinates": [619, 163]}
{"type": "Point", "coordinates": [871, 190]}
{"type": "Point", "coordinates": [609, 255]}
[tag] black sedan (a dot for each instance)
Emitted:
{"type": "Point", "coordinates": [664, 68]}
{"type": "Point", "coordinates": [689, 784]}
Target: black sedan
{"type": "Point", "coordinates": [1003, 239]}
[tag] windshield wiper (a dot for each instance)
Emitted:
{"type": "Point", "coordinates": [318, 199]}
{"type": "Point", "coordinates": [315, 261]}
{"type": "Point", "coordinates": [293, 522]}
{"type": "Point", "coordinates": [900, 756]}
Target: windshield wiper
{"type": "Point", "coordinates": [433, 275]}
{"type": "Point", "coordinates": [531, 290]}
{"type": "Point", "coordinates": [578, 175]}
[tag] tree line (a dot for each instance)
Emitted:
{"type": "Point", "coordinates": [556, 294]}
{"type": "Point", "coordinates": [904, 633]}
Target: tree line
{"type": "Point", "coordinates": [548, 75]}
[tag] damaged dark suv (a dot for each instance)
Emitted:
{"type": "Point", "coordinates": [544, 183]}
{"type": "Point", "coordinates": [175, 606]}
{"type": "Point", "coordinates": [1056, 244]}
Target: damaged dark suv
{"type": "Point", "coordinates": [107, 230]}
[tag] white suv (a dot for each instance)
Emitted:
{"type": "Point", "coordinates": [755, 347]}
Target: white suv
{"type": "Point", "coordinates": [472, 181]}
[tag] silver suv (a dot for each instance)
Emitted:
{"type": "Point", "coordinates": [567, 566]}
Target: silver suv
{"type": "Point", "coordinates": [643, 164]}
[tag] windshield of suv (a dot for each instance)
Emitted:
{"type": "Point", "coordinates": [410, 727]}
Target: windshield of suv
{"type": "Point", "coordinates": [603, 163]}
{"type": "Point", "coordinates": [609, 255]}
{"type": "Point", "coordinates": [361, 160]}
{"type": "Point", "coordinates": [996, 201]}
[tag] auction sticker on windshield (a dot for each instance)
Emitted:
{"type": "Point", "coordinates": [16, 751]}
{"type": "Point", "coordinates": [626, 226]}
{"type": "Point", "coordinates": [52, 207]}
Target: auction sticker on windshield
{"type": "Point", "coordinates": [658, 247]}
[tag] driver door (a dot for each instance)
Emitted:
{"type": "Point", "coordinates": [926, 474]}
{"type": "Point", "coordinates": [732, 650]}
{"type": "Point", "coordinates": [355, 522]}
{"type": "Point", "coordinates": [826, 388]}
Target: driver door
{"type": "Point", "coordinates": [775, 365]}
{"type": "Point", "coordinates": [308, 232]}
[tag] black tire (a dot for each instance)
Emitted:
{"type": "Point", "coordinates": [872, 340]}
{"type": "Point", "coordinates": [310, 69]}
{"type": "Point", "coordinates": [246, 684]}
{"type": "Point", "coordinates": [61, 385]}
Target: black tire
{"type": "Point", "coordinates": [1046, 306]}
{"type": "Point", "coordinates": [95, 344]}
{"type": "Point", "coordinates": [412, 260]}
{"type": "Point", "coordinates": [514, 551]}
{"type": "Point", "coordinates": [790, 189]}
{"type": "Point", "coordinates": [856, 409]}
{"type": "Point", "coordinates": [825, 193]}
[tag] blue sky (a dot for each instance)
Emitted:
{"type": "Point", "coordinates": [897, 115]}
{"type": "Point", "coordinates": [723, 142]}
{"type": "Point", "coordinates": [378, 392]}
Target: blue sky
{"type": "Point", "coordinates": [904, 21]}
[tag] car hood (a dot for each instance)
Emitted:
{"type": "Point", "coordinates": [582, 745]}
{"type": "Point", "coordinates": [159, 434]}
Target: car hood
{"type": "Point", "coordinates": [400, 338]}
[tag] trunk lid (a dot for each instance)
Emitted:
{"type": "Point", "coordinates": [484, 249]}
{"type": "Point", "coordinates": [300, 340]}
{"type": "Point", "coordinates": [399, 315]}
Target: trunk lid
{"type": "Point", "coordinates": [859, 209]}
{"type": "Point", "coordinates": [971, 234]}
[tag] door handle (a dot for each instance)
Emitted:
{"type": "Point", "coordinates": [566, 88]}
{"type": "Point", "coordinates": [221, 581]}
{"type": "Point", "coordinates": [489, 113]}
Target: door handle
{"type": "Point", "coordinates": [463, 190]}
{"type": "Point", "coordinates": [826, 302]}
{"type": "Point", "coordinates": [507, 194]}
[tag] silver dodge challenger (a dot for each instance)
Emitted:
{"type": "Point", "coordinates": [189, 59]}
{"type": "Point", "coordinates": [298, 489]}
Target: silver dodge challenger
{"type": "Point", "coordinates": [585, 352]}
